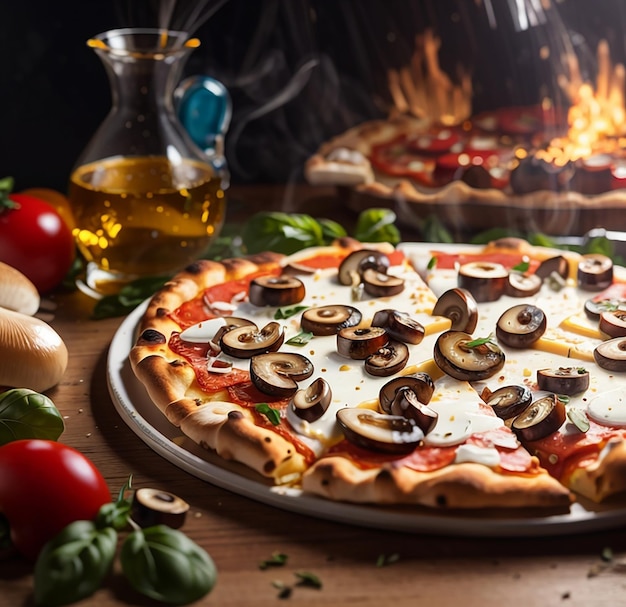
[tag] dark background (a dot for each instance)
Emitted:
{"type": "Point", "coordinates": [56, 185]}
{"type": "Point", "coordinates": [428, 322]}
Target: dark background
{"type": "Point", "coordinates": [299, 71]}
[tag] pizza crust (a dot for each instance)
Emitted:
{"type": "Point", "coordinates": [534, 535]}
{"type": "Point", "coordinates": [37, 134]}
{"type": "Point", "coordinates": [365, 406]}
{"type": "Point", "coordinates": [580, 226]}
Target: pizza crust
{"type": "Point", "coordinates": [234, 433]}
{"type": "Point", "coordinates": [231, 432]}
{"type": "Point", "coordinates": [465, 485]}
{"type": "Point", "coordinates": [458, 205]}
{"type": "Point", "coordinates": [604, 477]}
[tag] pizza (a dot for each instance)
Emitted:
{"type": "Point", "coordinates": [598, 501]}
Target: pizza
{"type": "Point", "coordinates": [510, 166]}
{"type": "Point", "coordinates": [441, 377]}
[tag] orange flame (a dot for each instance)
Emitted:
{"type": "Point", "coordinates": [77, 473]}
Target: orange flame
{"type": "Point", "coordinates": [597, 117]}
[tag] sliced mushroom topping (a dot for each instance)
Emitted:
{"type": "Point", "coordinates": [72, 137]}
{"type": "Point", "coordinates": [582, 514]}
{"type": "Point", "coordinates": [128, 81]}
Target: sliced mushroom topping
{"type": "Point", "coordinates": [378, 431]}
{"type": "Point", "coordinates": [522, 285]}
{"type": "Point", "coordinates": [388, 360]}
{"type": "Point", "coordinates": [595, 307]}
{"type": "Point", "coordinates": [595, 272]}
{"type": "Point", "coordinates": [407, 404]}
{"type": "Point", "coordinates": [212, 330]}
{"type": "Point", "coordinates": [459, 355]}
{"type": "Point", "coordinates": [276, 291]}
{"type": "Point", "coordinates": [249, 340]}
{"type": "Point", "coordinates": [156, 507]}
{"type": "Point", "coordinates": [485, 280]}
{"type": "Point", "coordinates": [400, 326]}
{"type": "Point", "coordinates": [359, 343]}
{"type": "Point", "coordinates": [311, 403]}
{"type": "Point", "coordinates": [611, 354]}
{"type": "Point", "coordinates": [541, 418]}
{"type": "Point", "coordinates": [459, 305]}
{"type": "Point", "coordinates": [554, 265]}
{"type": "Point", "coordinates": [377, 284]}
{"type": "Point", "coordinates": [521, 326]}
{"type": "Point", "coordinates": [230, 322]}
{"type": "Point", "coordinates": [564, 380]}
{"type": "Point", "coordinates": [613, 323]}
{"type": "Point", "coordinates": [353, 266]}
{"type": "Point", "coordinates": [420, 383]}
{"type": "Point", "coordinates": [509, 401]}
{"type": "Point", "coordinates": [329, 320]}
{"type": "Point", "coordinates": [276, 373]}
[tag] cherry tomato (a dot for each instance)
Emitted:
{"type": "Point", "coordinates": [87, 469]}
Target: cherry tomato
{"type": "Point", "coordinates": [35, 240]}
{"type": "Point", "coordinates": [54, 198]}
{"type": "Point", "coordinates": [45, 486]}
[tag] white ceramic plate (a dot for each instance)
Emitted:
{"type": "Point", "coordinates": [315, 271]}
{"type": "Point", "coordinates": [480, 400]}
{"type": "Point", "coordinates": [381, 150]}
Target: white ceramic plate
{"type": "Point", "coordinates": [134, 406]}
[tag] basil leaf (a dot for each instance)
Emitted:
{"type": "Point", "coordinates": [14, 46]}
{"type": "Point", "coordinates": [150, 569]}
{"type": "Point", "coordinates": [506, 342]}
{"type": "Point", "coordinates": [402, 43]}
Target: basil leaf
{"type": "Point", "coordinates": [306, 578]}
{"type": "Point", "coordinates": [25, 413]}
{"type": "Point", "coordinates": [272, 415]}
{"type": "Point", "coordinates": [116, 514]}
{"type": "Point", "coordinates": [278, 559]}
{"type": "Point", "coordinates": [164, 564]}
{"type": "Point", "coordinates": [281, 232]}
{"type": "Point", "coordinates": [331, 230]}
{"type": "Point", "coordinates": [301, 339]}
{"type": "Point", "coordinates": [377, 225]}
{"type": "Point", "coordinates": [521, 267]}
{"type": "Point", "coordinates": [283, 313]}
{"type": "Point", "coordinates": [129, 297]}
{"type": "Point", "coordinates": [480, 341]}
{"type": "Point", "coordinates": [72, 565]}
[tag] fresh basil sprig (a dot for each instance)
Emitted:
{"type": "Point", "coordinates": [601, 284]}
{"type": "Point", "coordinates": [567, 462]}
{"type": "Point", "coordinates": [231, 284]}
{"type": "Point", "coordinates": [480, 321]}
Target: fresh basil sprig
{"type": "Point", "coordinates": [273, 415]}
{"type": "Point", "coordinates": [160, 562]}
{"type": "Point", "coordinates": [291, 232]}
{"type": "Point", "coordinates": [25, 413]}
{"type": "Point", "coordinates": [301, 339]}
{"type": "Point", "coordinates": [377, 225]}
{"type": "Point", "coordinates": [164, 564]}
{"type": "Point", "coordinates": [284, 313]}
{"type": "Point", "coordinates": [73, 565]}
{"type": "Point", "coordinates": [479, 341]}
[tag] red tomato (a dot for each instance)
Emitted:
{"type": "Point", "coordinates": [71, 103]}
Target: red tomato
{"type": "Point", "coordinates": [35, 240]}
{"type": "Point", "coordinates": [45, 486]}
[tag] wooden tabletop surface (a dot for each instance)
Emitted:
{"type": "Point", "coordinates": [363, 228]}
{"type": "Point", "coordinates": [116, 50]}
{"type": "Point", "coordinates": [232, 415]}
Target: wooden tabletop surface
{"type": "Point", "coordinates": [356, 565]}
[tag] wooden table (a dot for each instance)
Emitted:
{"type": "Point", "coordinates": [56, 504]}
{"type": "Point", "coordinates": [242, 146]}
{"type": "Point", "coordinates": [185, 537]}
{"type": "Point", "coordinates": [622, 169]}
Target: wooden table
{"type": "Point", "coordinates": [240, 533]}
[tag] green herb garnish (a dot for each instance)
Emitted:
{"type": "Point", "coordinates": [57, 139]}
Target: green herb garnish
{"type": "Point", "coordinates": [305, 578]}
{"type": "Point", "coordinates": [159, 562]}
{"type": "Point", "coordinates": [522, 267]}
{"type": "Point", "coordinates": [25, 413]}
{"type": "Point", "coordinates": [301, 339]}
{"type": "Point", "coordinates": [283, 313]}
{"type": "Point", "coordinates": [432, 263]}
{"type": "Point", "coordinates": [273, 415]}
{"type": "Point", "coordinates": [480, 341]}
{"type": "Point", "coordinates": [278, 559]}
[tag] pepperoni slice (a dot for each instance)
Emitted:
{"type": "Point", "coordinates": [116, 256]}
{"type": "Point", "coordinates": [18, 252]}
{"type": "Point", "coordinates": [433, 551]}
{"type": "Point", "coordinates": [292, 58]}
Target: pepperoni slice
{"type": "Point", "coordinates": [196, 355]}
{"type": "Point", "coordinates": [422, 459]}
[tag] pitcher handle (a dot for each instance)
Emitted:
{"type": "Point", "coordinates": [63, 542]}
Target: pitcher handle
{"type": "Point", "coordinates": [204, 109]}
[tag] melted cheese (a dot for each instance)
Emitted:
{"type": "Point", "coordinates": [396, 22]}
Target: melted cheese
{"type": "Point", "coordinates": [460, 410]}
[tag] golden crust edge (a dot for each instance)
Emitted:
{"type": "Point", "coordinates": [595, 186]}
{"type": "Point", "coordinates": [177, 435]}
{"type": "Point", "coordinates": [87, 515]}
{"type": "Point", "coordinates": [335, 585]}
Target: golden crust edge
{"type": "Point", "coordinates": [464, 486]}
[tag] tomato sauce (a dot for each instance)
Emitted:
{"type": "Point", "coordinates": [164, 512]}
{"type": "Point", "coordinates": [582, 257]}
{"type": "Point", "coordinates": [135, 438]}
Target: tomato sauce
{"type": "Point", "coordinates": [422, 459]}
{"type": "Point", "coordinates": [198, 309]}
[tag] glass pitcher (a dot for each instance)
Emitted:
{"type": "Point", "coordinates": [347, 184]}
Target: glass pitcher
{"type": "Point", "coordinates": [148, 191]}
